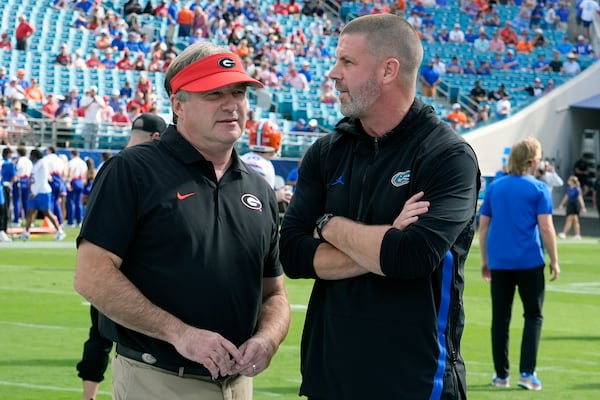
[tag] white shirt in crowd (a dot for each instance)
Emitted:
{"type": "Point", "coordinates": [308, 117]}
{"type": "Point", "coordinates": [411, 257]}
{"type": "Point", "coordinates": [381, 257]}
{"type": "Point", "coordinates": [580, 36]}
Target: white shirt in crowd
{"type": "Point", "coordinates": [40, 175]}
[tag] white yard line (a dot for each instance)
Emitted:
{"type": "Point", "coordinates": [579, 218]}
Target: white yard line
{"type": "Point", "coordinates": [46, 387]}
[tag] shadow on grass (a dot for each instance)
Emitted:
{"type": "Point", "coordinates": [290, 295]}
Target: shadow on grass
{"type": "Point", "coordinates": [587, 386]}
{"type": "Point", "coordinates": [490, 388]}
{"type": "Point", "coordinates": [287, 391]}
{"type": "Point", "coordinates": [39, 362]}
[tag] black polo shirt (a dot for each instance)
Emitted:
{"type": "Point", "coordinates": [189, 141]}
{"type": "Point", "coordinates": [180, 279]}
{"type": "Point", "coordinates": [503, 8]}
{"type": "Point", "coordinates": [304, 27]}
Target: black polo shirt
{"type": "Point", "coordinates": [195, 247]}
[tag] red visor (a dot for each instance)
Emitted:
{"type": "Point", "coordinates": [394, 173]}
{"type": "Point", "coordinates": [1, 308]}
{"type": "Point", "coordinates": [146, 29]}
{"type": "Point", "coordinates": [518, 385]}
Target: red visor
{"type": "Point", "coordinates": [212, 72]}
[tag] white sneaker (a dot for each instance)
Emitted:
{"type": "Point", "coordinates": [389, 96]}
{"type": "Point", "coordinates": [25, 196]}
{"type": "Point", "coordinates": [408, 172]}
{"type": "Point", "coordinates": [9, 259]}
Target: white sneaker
{"type": "Point", "coordinates": [24, 236]}
{"type": "Point", "coordinates": [60, 235]}
{"type": "Point", "coordinates": [577, 237]}
{"type": "Point", "coordinates": [4, 237]}
{"type": "Point", "coordinates": [562, 235]}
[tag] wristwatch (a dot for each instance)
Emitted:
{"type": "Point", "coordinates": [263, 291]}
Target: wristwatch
{"type": "Point", "coordinates": [321, 221]}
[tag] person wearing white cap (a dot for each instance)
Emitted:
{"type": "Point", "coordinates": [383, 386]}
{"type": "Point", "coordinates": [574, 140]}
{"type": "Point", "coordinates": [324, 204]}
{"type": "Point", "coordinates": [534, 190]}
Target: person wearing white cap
{"type": "Point", "coordinates": [456, 35]}
{"type": "Point", "coordinates": [203, 309]}
{"type": "Point", "coordinates": [92, 105]}
{"type": "Point", "coordinates": [583, 47]}
{"type": "Point", "coordinates": [571, 66]}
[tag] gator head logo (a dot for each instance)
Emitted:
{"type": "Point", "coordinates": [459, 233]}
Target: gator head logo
{"type": "Point", "coordinates": [401, 178]}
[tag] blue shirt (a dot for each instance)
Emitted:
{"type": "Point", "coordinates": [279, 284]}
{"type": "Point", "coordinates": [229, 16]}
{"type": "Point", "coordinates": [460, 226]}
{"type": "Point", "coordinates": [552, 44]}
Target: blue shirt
{"type": "Point", "coordinates": [430, 75]}
{"type": "Point", "coordinates": [513, 204]}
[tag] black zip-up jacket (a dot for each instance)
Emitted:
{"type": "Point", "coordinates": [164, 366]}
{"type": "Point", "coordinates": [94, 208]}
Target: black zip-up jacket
{"type": "Point", "coordinates": [396, 336]}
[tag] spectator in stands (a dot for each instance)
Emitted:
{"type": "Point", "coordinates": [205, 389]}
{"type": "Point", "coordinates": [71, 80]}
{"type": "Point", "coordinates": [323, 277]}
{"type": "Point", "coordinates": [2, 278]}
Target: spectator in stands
{"type": "Point", "coordinates": [428, 34]}
{"type": "Point", "coordinates": [510, 62]}
{"type": "Point", "coordinates": [156, 64]}
{"type": "Point", "coordinates": [478, 93]}
{"type": "Point", "coordinates": [65, 113]}
{"type": "Point", "coordinates": [550, 18]}
{"type": "Point", "coordinates": [556, 63]}
{"type": "Point", "coordinates": [139, 64]}
{"type": "Point", "coordinates": [523, 19]}
{"type": "Point", "coordinates": [118, 43]}
{"type": "Point", "coordinates": [125, 64]}
{"type": "Point", "coordinates": [589, 8]}
{"type": "Point", "coordinates": [583, 47]}
{"type": "Point", "coordinates": [484, 68]}
{"type": "Point", "coordinates": [508, 34]}
{"type": "Point", "coordinates": [534, 90]}
{"type": "Point", "coordinates": [130, 9]}
{"type": "Point", "coordinates": [562, 12]}
{"type": "Point", "coordinates": [93, 62]}
{"type": "Point", "coordinates": [503, 107]}
{"type": "Point", "coordinates": [565, 46]}
{"type": "Point", "coordinates": [295, 79]}
{"type": "Point", "coordinates": [60, 4]}
{"type": "Point", "coordinates": [17, 123]}
{"type": "Point", "coordinates": [144, 85]}
{"type": "Point", "coordinates": [457, 116]}
{"type": "Point", "coordinates": [524, 45]}
{"type": "Point", "coordinates": [108, 62]}
{"type": "Point", "coordinates": [300, 126]}
{"type": "Point", "coordinates": [14, 91]}
{"type": "Point", "coordinates": [5, 43]}
{"type": "Point", "coordinates": [443, 36]}
{"type": "Point", "coordinates": [138, 101]}
{"type": "Point", "coordinates": [328, 95]}
{"type": "Point", "coordinates": [4, 80]}
{"type": "Point", "coordinates": [121, 117]}
{"type": "Point", "coordinates": [185, 20]}
{"type": "Point", "coordinates": [470, 68]}
{"type": "Point", "coordinates": [107, 112]}
{"type": "Point", "coordinates": [537, 16]}
{"type": "Point", "coordinates": [83, 6]}
{"type": "Point", "coordinates": [470, 36]}
{"type": "Point", "coordinates": [22, 79]}
{"type": "Point", "coordinates": [497, 94]}
{"type": "Point", "coordinates": [496, 42]}
{"type": "Point", "coordinates": [161, 9]}
{"type": "Point", "coordinates": [456, 35]}
{"type": "Point", "coordinates": [103, 41]}
{"type": "Point", "coordinates": [49, 108]}
{"type": "Point", "coordinates": [491, 17]}
{"type": "Point", "coordinates": [126, 92]}
{"type": "Point", "coordinates": [541, 65]}
{"type": "Point", "coordinates": [439, 65]}
{"type": "Point", "coordinates": [482, 43]}
{"type": "Point", "coordinates": [454, 66]}
{"type": "Point", "coordinates": [115, 100]}
{"type": "Point", "coordinates": [429, 78]}
{"type": "Point", "coordinates": [63, 57]}
{"type": "Point", "coordinates": [571, 66]}
{"type": "Point", "coordinates": [171, 15]}
{"type": "Point", "coordinates": [539, 40]}
{"type": "Point", "coordinates": [23, 32]}
{"type": "Point", "coordinates": [91, 104]}
{"type": "Point", "coordinates": [483, 113]}
{"type": "Point", "coordinates": [415, 20]}
{"type": "Point", "coordinates": [313, 126]}
{"type": "Point", "coordinates": [34, 93]}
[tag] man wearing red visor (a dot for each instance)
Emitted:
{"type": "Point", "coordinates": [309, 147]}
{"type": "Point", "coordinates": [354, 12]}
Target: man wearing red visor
{"type": "Point", "coordinates": [199, 311]}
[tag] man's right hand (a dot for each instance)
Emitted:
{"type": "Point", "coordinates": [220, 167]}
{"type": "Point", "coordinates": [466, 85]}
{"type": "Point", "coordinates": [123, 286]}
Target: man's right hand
{"type": "Point", "coordinates": [411, 211]}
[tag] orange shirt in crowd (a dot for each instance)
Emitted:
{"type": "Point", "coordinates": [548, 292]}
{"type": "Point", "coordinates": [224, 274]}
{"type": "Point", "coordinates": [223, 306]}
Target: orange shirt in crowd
{"type": "Point", "coordinates": [185, 17]}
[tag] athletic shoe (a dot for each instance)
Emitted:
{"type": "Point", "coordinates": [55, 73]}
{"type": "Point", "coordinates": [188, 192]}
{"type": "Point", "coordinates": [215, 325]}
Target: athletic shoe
{"type": "Point", "coordinates": [577, 237]}
{"type": "Point", "coordinates": [499, 382]}
{"type": "Point", "coordinates": [24, 236]}
{"type": "Point", "coordinates": [562, 235]}
{"type": "Point", "coordinates": [4, 237]}
{"type": "Point", "coordinates": [529, 381]}
{"type": "Point", "coordinates": [60, 235]}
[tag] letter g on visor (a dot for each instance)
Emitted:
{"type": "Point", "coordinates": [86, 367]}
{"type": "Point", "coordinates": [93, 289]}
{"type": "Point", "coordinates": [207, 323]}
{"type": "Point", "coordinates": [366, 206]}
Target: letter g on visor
{"type": "Point", "coordinates": [212, 72]}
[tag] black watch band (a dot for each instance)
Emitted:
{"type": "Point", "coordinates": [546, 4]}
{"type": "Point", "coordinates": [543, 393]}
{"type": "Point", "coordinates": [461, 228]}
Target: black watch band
{"type": "Point", "coordinates": [323, 219]}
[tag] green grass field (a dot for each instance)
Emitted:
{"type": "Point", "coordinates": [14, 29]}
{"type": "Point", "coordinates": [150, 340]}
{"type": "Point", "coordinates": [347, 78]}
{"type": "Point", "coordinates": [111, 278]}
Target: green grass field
{"type": "Point", "coordinates": [43, 324]}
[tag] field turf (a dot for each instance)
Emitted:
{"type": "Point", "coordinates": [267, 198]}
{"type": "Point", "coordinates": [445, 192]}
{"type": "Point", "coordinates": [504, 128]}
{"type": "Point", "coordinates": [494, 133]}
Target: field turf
{"type": "Point", "coordinates": [43, 324]}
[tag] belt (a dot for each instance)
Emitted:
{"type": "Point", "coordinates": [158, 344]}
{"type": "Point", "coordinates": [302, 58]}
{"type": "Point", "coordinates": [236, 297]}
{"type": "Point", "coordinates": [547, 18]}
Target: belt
{"type": "Point", "coordinates": [198, 372]}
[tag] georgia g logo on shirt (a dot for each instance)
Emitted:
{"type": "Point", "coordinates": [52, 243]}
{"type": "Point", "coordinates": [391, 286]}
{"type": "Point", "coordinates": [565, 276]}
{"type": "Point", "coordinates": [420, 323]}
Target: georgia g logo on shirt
{"type": "Point", "coordinates": [251, 201]}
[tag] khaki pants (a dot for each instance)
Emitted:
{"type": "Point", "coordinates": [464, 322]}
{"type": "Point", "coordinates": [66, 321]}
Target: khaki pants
{"type": "Point", "coordinates": [134, 380]}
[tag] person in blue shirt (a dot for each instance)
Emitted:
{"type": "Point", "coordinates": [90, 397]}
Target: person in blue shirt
{"type": "Point", "coordinates": [118, 41]}
{"type": "Point", "coordinates": [515, 227]}
{"type": "Point", "coordinates": [428, 21]}
{"type": "Point", "coordinates": [9, 176]}
{"type": "Point", "coordinates": [565, 46]}
{"type": "Point", "coordinates": [541, 64]}
{"type": "Point", "coordinates": [429, 78]}
{"type": "Point", "coordinates": [471, 36]}
{"type": "Point", "coordinates": [583, 47]}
